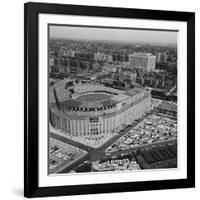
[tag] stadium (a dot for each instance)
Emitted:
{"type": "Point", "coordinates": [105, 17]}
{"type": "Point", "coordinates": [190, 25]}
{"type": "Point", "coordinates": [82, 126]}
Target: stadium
{"type": "Point", "coordinates": [91, 109]}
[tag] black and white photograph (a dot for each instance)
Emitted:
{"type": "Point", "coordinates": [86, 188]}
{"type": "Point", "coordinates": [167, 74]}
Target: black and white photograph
{"type": "Point", "coordinates": [108, 99]}
{"type": "Point", "coordinates": [112, 99]}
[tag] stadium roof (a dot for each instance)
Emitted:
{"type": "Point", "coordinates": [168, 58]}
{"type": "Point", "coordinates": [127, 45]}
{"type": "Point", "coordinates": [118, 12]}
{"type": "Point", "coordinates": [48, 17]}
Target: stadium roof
{"type": "Point", "coordinates": [119, 98]}
{"type": "Point", "coordinates": [71, 103]}
{"type": "Point", "coordinates": [91, 105]}
{"type": "Point", "coordinates": [134, 91]}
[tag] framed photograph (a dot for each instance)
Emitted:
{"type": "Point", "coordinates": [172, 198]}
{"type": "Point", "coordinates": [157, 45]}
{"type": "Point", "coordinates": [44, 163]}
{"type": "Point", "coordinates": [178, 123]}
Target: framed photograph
{"type": "Point", "coordinates": [109, 99]}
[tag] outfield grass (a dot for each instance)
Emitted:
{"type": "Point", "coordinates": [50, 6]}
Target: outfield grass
{"type": "Point", "coordinates": [93, 97]}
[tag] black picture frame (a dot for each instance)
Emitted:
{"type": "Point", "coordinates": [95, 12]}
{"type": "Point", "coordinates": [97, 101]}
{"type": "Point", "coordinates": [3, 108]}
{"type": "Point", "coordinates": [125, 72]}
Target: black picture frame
{"type": "Point", "coordinates": [31, 85]}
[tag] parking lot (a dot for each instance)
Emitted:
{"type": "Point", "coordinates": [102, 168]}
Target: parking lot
{"type": "Point", "coordinates": [154, 128]}
{"type": "Point", "coordinates": [62, 154]}
{"type": "Point", "coordinates": [120, 162]}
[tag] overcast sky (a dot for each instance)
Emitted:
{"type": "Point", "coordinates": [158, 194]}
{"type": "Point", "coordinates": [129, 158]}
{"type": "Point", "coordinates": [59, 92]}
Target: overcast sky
{"type": "Point", "coordinates": [149, 36]}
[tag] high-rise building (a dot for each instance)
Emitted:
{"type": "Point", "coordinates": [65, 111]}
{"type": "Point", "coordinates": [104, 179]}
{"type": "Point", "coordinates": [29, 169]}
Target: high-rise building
{"type": "Point", "coordinates": [158, 57]}
{"type": "Point", "coordinates": [164, 57]}
{"type": "Point", "coordinates": [142, 60]}
{"type": "Point", "coordinates": [161, 57]}
{"type": "Point", "coordinates": [51, 61]}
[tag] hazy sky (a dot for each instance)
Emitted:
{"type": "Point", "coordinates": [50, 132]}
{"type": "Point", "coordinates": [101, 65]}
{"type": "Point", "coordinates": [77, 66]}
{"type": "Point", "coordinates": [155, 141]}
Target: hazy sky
{"type": "Point", "coordinates": [151, 36]}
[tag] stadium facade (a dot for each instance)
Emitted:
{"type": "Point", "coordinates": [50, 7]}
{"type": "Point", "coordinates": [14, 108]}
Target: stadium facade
{"type": "Point", "coordinates": [94, 110]}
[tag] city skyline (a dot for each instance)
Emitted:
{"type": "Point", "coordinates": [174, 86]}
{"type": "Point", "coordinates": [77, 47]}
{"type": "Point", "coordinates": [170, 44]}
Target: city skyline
{"type": "Point", "coordinates": [109, 34]}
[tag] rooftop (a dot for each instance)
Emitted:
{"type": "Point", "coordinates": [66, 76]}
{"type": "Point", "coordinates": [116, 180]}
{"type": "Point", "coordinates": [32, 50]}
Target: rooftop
{"type": "Point", "coordinates": [140, 54]}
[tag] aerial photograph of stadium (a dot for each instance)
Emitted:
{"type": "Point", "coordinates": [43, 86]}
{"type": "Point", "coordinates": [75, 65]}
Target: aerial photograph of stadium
{"type": "Point", "coordinates": [112, 103]}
